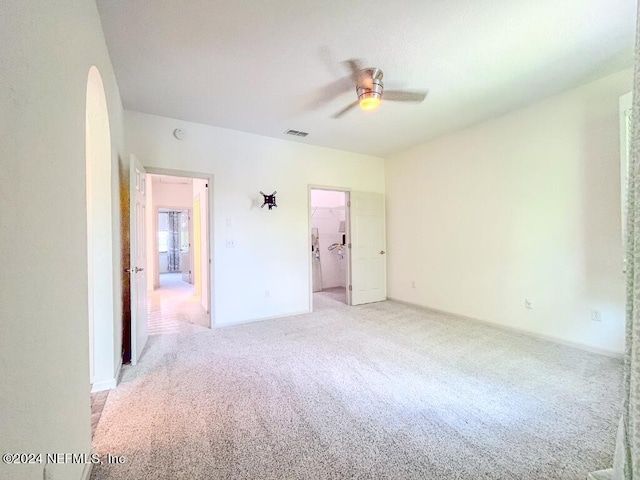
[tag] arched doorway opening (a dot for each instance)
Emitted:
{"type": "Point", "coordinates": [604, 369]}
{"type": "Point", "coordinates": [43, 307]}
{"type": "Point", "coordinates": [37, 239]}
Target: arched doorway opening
{"type": "Point", "coordinates": [99, 237]}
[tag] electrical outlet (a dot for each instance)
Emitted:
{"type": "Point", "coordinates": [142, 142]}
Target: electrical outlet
{"type": "Point", "coordinates": [596, 315]}
{"type": "Point", "coordinates": [413, 284]}
{"type": "Point", "coordinates": [528, 303]}
{"type": "Point", "coordinates": [231, 243]}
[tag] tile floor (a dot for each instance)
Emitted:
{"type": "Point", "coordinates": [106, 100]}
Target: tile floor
{"type": "Point", "coordinates": [98, 400]}
{"type": "Point", "coordinates": [174, 306]}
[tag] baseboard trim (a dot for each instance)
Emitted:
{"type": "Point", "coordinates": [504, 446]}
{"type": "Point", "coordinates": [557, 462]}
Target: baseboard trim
{"type": "Point", "coordinates": [601, 475]}
{"type": "Point", "coordinates": [103, 385]}
{"type": "Point", "coordinates": [549, 338]}
{"type": "Point", "coordinates": [261, 319]}
{"type": "Point", "coordinates": [108, 384]}
{"type": "Point", "coordinates": [118, 371]}
{"type": "Point", "coordinates": [86, 473]}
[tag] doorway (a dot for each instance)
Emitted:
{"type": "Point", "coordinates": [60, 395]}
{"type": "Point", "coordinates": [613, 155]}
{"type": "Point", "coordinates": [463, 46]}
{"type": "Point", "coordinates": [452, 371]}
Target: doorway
{"type": "Point", "coordinates": [178, 254]}
{"type": "Point", "coordinates": [330, 254]}
{"type": "Point", "coordinates": [103, 367]}
{"type": "Point", "coordinates": [174, 245]}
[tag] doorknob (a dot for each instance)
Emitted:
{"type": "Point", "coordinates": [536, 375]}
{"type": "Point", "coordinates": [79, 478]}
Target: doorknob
{"type": "Point", "coordinates": [136, 270]}
{"type": "Point", "coordinates": [382, 252]}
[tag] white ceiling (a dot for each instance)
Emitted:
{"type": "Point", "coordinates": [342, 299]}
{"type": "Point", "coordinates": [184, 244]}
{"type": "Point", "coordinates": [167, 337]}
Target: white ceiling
{"type": "Point", "coordinates": [260, 66]}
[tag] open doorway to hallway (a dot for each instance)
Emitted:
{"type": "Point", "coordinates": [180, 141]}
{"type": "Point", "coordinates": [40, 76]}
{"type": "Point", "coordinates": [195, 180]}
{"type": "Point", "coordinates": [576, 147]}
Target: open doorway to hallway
{"type": "Point", "coordinates": [329, 247]}
{"type": "Point", "coordinates": [178, 254]}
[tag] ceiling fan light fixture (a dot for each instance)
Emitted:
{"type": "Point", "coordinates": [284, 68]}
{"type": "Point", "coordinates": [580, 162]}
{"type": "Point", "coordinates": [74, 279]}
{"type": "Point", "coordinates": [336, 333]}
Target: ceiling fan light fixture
{"type": "Point", "coordinates": [369, 101]}
{"type": "Point", "coordinates": [369, 96]}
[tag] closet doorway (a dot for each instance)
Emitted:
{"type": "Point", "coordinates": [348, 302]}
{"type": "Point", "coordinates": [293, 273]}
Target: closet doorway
{"type": "Point", "coordinates": [330, 254]}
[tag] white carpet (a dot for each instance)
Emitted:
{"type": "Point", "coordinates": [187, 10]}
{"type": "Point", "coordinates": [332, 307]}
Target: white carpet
{"type": "Point", "coordinates": [379, 391]}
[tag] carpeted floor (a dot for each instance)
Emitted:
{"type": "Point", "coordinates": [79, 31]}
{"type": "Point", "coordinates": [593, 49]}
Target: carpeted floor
{"type": "Point", "coordinates": [380, 391]}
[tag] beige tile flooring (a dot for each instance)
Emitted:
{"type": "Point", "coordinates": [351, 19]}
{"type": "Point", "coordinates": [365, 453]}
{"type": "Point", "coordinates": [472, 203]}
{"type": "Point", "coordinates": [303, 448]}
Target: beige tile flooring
{"type": "Point", "coordinates": [98, 400]}
{"type": "Point", "coordinates": [172, 308]}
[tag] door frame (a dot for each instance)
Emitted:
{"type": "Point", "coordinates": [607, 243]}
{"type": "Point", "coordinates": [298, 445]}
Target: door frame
{"type": "Point", "coordinates": [209, 234]}
{"type": "Point", "coordinates": [347, 222]}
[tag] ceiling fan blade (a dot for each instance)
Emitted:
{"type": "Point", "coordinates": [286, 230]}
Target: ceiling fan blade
{"type": "Point", "coordinates": [358, 72]}
{"type": "Point", "coordinates": [401, 96]}
{"type": "Point", "coordinates": [330, 92]}
{"type": "Point", "coordinates": [345, 109]}
{"type": "Point", "coordinates": [355, 67]}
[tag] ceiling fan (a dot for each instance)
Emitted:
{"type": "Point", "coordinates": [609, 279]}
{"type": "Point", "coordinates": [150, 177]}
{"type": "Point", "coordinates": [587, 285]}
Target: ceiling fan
{"type": "Point", "coordinates": [370, 89]}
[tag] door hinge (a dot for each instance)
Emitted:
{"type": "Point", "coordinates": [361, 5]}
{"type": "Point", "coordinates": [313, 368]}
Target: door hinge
{"type": "Point", "coordinates": [206, 185]}
{"type": "Point", "coordinates": [348, 204]}
{"type": "Point", "coordinates": [349, 246]}
{"type": "Point", "coordinates": [350, 288]}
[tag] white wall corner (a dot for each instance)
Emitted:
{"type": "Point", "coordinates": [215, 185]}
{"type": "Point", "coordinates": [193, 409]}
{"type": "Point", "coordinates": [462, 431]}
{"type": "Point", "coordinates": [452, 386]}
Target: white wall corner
{"type": "Point", "coordinates": [109, 383]}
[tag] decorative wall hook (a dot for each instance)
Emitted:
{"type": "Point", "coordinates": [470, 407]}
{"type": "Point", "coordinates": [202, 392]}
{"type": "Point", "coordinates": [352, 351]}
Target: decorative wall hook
{"type": "Point", "coordinates": [269, 200]}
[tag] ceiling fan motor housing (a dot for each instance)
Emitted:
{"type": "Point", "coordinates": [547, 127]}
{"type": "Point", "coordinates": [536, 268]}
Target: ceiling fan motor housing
{"type": "Point", "coordinates": [374, 92]}
{"type": "Point", "coordinates": [371, 85]}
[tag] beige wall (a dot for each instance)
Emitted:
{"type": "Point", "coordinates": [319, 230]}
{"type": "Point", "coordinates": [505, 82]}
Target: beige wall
{"type": "Point", "coordinates": [271, 246]}
{"type": "Point", "coordinates": [200, 190]}
{"type": "Point", "coordinates": [526, 205]}
{"type": "Point", "coordinates": [46, 50]}
{"type": "Point", "coordinates": [172, 195]}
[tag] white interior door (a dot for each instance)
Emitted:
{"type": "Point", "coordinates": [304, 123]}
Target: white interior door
{"type": "Point", "coordinates": [368, 262]}
{"type": "Point", "coordinates": [138, 253]}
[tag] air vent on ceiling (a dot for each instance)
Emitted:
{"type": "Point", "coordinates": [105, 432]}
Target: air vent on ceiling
{"type": "Point", "coordinates": [296, 133]}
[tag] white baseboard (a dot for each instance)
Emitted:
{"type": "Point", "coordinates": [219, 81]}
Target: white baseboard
{"type": "Point", "coordinates": [109, 383]}
{"type": "Point", "coordinates": [118, 371]}
{"type": "Point", "coordinates": [260, 319]}
{"type": "Point", "coordinates": [103, 385]}
{"type": "Point", "coordinates": [601, 475]}
{"type": "Point", "coordinates": [86, 473]}
{"type": "Point", "coordinates": [549, 338]}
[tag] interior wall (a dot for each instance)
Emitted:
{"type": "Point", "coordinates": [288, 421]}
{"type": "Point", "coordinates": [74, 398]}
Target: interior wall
{"type": "Point", "coordinates": [327, 198]}
{"type": "Point", "coordinates": [46, 51]}
{"type": "Point", "coordinates": [172, 195]}
{"type": "Point", "coordinates": [260, 257]}
{"type": "Point", "coordinates": [151, 227]}
{"type": "Point", "coordinates": [200, 190]}
{"type": "Point", "coordinates": [526, 205]}
{"type": "Point", "coordinates": [162, 224]}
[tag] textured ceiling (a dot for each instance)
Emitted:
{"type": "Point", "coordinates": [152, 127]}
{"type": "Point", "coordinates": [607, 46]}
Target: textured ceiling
{"type": "Point", "coordinates": [260, 66]}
